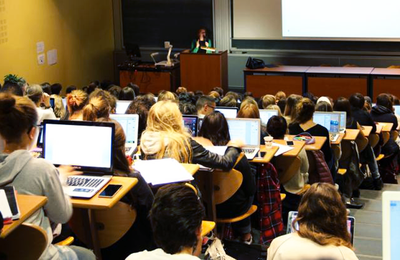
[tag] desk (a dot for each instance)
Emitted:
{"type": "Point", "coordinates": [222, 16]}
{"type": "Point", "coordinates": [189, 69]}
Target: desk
{"type": "Point", "coordinates": [386, 127]}
{"type": "Point", "coordinates": [28, 205]}
{"type": "Point", "coordinates": [338, 81]}
{"type": "Point", "coordinates": [290, 79]}
{"type": "Point", "coordinates": [86, 206]}
{"type": "Point", "coordinates": [191, 168]}
{"type": "Point", "coordinates": [378, 128]}
{"type": "Point", "coordinates": [351, 134]}
{"type": "Point", "coordinates": [385, 80]}
{"type": "Point", "coordinates": [319, 142]}
{"type": "Point", "coordinates": [269, 154]}
{"type": "Point", "coordinates": [339, 139]}
{"type": "Point", "coordinates": [366, 130]}
{"type": "Point", "coordinates": [298, 145]}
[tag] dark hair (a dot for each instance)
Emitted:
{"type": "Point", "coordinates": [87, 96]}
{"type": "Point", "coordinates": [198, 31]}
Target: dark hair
{"type": "Point", "coordinates": [277, 127]}
{"type": "Point", "coordinates": [343, 104]}
{"type": "Point", "coordinates": [187, 108]}
{"type": "Point", "coordinates": [323, 106]}
{"type": "Point", "coordinates": [12, 88]}
{"type": "Point", "coordinates": [385, 101]}
{"type": "Point", "coordinates": [70, 89]}
{"type": "Point", "coordinates": [56, 88]}
{"type": "Point", "coordinates": [135, 88]}
{"type": "Point", "coordinates": [282, 104]}
{"type": "Point", "coordinates": [199, 30]}
{"type": "Point", "coordinates": [219, 90]}
{"type": "Point", "coordinates": [311, 97]}
{"type": "Point", "coordinates": [105, 84]}
{"type": "Point", "coordinates": [140, 107]}
{"type": "Point", "coordinates": [127, 93]}
{"type": "Point", "coordinates": [304, 111]}
{"type": "Point", "coordinates": [204, 100]}
{"type": "Point", "coordinates": [291, 103]}
{"type": "Point", "coordinates": [176, 216]}
{"type": "Point", "coordinates": [112, 101]}
{"type": "Point", "coordinates": [47, 89]}
{"type": "Point", "coordinates": [215, 128]}
{"type": "Point", "coordinates": [357, 100]}
{"type": "Point", "coordinates": [115, 91]}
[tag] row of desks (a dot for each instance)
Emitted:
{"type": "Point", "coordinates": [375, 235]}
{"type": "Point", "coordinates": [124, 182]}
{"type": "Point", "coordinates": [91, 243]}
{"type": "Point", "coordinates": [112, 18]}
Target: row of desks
{"type": "Point", "coordinates": [322, 81]}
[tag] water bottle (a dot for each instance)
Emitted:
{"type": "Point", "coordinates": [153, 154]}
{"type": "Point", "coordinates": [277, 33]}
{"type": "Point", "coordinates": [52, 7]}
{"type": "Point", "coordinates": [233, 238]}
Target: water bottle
{"type": "Point", "coordinates": [334, 126]}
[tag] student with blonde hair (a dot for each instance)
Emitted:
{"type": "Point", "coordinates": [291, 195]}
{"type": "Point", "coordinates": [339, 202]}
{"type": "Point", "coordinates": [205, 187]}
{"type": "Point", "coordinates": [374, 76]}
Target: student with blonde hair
{"type": "Point", "coordinates": [290, 109]}
{"type": "Point", "coordinates": [268, 100]}
{"type": "Point", "coordinates": [167, 95]}
{"type": "Point", "coordinates": [97, 107]}
{"type": "Point", "coordinates": [166, 137]}
{"type": "Point", "coordinates": [322, 229]}
{"type": "Point", "coordinates": [280, 95]}
{"type": "Point", "coordinates": [249, 110]}
{"type": "Point", "coordinates": [76, 100]}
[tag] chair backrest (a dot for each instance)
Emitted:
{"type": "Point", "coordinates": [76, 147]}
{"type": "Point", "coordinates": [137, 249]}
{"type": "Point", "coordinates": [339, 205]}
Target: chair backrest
{"type": "Point", "coordinates": [226, 184]}
{"type": "Point", "coordinates": [373, 139]}
{"type": "Point", "coordinates": [287, 167]}
{"type": "Point", "coordinates": [26, 242]}
{"type": "Point", "coordinates": [112, 224]}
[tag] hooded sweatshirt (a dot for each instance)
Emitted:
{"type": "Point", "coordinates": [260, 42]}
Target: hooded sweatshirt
{"type": "Point", "coordinates": [33, 176]}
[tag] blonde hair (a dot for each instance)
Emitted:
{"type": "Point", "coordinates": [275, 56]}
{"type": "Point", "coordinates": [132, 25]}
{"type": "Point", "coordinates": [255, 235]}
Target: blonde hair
{"type": "Point", "coordinates": [275, 107]}
{"type": "Point", "coordinates": [248, 100]}
{"type": "Point", "coordinates": [268, 100]}
{"type": "Point", "coordinates": [249, 110]}
{"type": "Point", "coordinates": [280, 95]}
{"type": "Point", "coordinates": [97, 107]}
{"type": "Point", "coordinates": [165, 118]}
{"type": "Point", "coordinates": [76, 100]}
{"type": "Point", "coordinates": [167, 95]}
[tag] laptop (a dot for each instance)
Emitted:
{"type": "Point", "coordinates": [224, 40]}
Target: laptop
{"type": "Point", "coordinates": [191, 123]}
{"type": "Point", "coordinates": [122, 106]}
{"type": "Point", "coordinates": [89, 148]}
{"type": "Point", "coordinates": [397, 110]}
{"type": "Point", "coordinates": [329, 120]}
{"type": "Point", "coordinates": [228, 112]}
{"type": "Point", "coordinates": [293, 215]}
{"type": "Point", "coordinates": [391, 224]}
{"type": "Point", "coordinates": [266, 114]}
{"type": "Point", "coordinates": [130, 124]}
{"type": "Point", "coordinates": [343, 121]}
{"type": "Point", "coordinates": [248, 130]}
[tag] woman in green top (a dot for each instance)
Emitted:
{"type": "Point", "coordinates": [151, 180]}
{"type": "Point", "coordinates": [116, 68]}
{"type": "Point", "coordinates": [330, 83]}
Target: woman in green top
{"type": "Point", "coordinates": [201, 41]}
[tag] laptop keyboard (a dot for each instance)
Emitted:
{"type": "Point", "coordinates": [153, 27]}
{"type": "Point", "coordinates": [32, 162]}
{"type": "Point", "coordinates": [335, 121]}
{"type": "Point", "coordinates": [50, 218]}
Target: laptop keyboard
{"type": "Point", "coordinates": [83, 181]}
{"type": "Point", "coordinates": [248, 150]}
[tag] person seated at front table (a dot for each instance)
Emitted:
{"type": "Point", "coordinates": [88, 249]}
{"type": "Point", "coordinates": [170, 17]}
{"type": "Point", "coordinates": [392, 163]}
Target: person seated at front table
{"type": "Point", "coordinates": [167, 137]}
{"type": "Point", "coordinates": [215, 128]}
{"type": "Point", "coordinates": [201, 41]}
{"type": "Point", "coordinates": [322, 229]}
{"type": "Point", "coordinates": [205, 105]}
{"type": "Point", "coordinates": [176, 218]}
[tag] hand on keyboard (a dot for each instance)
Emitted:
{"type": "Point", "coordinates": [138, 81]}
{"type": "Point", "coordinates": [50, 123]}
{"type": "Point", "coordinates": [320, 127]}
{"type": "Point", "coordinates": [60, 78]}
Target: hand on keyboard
{"type": "Point", "coordinates": [66, 171]}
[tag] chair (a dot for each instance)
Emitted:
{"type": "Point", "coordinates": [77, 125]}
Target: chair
{"type": "Point", "coordinates": [66, 242]}
{"type": "Point", "coordinates": [287, 167]}
{"type": "Point", "coordinates": [26, 242]}
{"type": "Point", "coordinates": [207, 227]}
{"type": "Point", "coordinates": [373, 139]}
{"type": "Point", "coordinates": [112, 224]}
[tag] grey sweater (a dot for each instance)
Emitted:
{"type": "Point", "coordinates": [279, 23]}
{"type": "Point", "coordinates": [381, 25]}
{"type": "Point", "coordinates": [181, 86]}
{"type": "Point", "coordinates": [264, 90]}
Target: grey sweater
{"type": "Point", "coordinates": [37, 177]}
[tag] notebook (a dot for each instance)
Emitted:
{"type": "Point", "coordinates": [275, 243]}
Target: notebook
{"type": "Point", "coordinates": [329, 120]}
{"type": "Point", "coordinates": [390, 225]}
{"type": "Point", "coordinates": [191, 123]}
{"type": "Point", "coordinates": [228, 112]}
{"type": "Point", "coordinates": [122, 106]}
{"type": "Point", "coordinates": [266, 114]}
{"type": "Point", "coordinates": [130, 124]}
{"type": "Point", "coordinates": [248, 130]}
{"type": "Point", "coordinates": [87, 146]}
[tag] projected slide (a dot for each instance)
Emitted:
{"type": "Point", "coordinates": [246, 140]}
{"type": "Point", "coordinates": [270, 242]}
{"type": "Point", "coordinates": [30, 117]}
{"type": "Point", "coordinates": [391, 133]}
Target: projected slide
{"type": "Point", "coordinates": [341, 18]}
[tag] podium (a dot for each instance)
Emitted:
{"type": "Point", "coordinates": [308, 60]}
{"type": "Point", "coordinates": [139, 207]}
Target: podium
{"type": "Point", "coordinates": [204, 71]}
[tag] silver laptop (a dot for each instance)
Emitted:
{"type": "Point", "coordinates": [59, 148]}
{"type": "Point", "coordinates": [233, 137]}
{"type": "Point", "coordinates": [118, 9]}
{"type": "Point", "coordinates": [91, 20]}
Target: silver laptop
{"type": "Point", "coordinates": [228, 112]}
{"type": "Point", "coordinates": [88, 146]}
{"type": "Point", "coordinates": [191, 123]}
{"type": "Point", "coordinates": [391, 225]}
{"type": "Point", "coordinates": [266, 114]}
{"type": "Point", "coordinates": [130, 124]}
{"type": "Point", "coordinates": [122, 106]}
{"type": "Point", "coordinates": [248, 130]}
{"type": "Point", "coordinates": [329, 120]}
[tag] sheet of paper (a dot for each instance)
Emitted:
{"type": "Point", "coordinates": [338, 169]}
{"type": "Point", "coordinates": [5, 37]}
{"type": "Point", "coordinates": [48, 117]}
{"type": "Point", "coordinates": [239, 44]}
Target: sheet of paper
{"type": "Point", "coordinates": [39, 47]}
{"type": "Point", "coordinates": [162, 171]}
{"type": "Point", "coordinates": [4, 207]}
{"type": "Point", "coordinates": [220, 150]}
{"type": "Point", "coordinates": [52, 57]}
{"type": "Point", "coordinates": [282, 149]}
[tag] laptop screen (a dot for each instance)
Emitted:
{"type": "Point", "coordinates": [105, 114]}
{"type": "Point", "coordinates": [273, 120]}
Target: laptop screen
{"type": "Point", "coordinates": [122, 106]}
{"type": "Point", "coordinates": [245, 129]}
{"type": "Point", "coordinates": [397, 110]}
{"type": "Point", "coordinates": [391, 224]}
{"type": "Point", "coordinates": [191, 123]}
{"type": "Point", "coordinates": [343, 120]}
{"type": "Point", "coordinates": [266, 114]}
{"type": "Point", "coordinates": [87, 145]}
{"type": "Point", "coordinates": [329, 120]}
{"type": "Point", "coordinates": [228, 112]}
{"type": "Point", "coordinates": [130, 124]}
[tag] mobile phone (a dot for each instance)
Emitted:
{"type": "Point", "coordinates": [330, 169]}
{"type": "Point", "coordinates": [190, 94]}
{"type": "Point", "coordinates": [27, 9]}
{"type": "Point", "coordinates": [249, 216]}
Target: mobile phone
{"type": "Point", "coordinates": [290, 143]}
{"type": "Point", "coordinates": [261, 154]}
{"type": "Point", "coordinates": [52, 102]}
{"type": "Point", "coordinates": [110, 191]}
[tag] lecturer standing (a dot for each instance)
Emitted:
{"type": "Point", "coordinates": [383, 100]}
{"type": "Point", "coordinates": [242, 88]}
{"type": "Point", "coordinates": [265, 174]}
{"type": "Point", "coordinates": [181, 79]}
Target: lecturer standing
{"type": "Point", "coordinates": [201, 41]}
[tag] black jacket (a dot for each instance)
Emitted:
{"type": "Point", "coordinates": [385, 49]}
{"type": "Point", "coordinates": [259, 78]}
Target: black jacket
{"type": "Point", "coordinates": [383, 114]}
{"type": "Point", "coordinates": [363, 118]}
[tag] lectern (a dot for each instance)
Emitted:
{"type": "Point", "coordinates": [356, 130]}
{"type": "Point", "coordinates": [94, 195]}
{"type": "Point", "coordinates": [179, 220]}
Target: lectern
{"type": "Point", "coordinates": [204, 71]}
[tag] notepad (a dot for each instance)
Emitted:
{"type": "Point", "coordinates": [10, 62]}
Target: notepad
{"type": "Point", "coordinates": [162, 171]}
{"type": "Point", "coordinates": [282, 149]}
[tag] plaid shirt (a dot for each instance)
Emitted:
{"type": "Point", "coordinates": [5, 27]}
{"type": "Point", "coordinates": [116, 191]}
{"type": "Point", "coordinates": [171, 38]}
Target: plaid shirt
{"type": "Point", "coordinates": [270, 205]}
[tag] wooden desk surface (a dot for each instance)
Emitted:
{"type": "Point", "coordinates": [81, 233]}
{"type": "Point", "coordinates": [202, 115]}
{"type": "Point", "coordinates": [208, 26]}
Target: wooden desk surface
{"type": "Point", "coordinates": [366, 129]}
{"type": "Point", "coordinates": [339, 139]}
{"type": "Point", "coordinates": [191, 168]}
{"type": "Point", "coordinates": [298, 145]}
{"type": "Point", "coordinates": [385, 72]}
{"type": "Point", "coordinates": [378, 128]}
{"type": "Point", "coordinates": [319, 142]}
{"type": "Point", "coordinates": [386, 127]}
{"type": "Point", "coordinates": [341, 70]}
{"type": "Point", "coordinates": [284, 69]}
{"type": "Point", "coordinates": [351, 134]}
{"type": "Point", "coordinates": [106, 203]}
{"type": "Point", "coordinates": [269, 154]}
{"type": "Point", "coordinates": [28, 204]}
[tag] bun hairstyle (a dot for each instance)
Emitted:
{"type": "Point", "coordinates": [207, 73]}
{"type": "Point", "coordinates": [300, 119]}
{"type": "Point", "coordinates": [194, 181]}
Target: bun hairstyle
{"type": "Point", "coordinates": [304, 110]}
{"type": "Point", "coordinates": [76, 100]}
{"type": "Point", "coordinates": [17, 116]}
{"type": "Point", "coordinates": [97, 107]}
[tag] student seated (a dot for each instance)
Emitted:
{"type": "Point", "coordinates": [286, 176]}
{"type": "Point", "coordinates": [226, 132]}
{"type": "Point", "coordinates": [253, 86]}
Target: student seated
{"type": "Point", "coordinates": [167, 137]}
{"type": "Point", "coordinates": [205, 105]}
{"type": "Point", "coordinates": [215, 128]}
{"type": "Point", "coordinates": [322, 229]}
{"type": "Point", "coordinates": [290, 109]}
{"type": "Point", "coordinates": [176, 218]}
{"type": "Point", "coordinates": [36, 94]}
{"type": "Point", "coordinates": [59, 108]}
{"type": "Point", "coordinates": [76, 100]}
{"type": "Point", "coordinates": [31, 176]}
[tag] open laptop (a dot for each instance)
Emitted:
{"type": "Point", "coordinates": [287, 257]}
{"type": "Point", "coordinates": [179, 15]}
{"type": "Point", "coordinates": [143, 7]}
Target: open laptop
{"type": "Point", "coordinates": [228, 112]}
{"type": "Point", "coordinates": [130, 124]}
{"type": "Point", "coordinates": [191, 123]}
{"type": "Point", "coordinates": [122, 106]}
{"type": "Point", "coordinates": [293, 215]}
{"type": "Point", "coordinates": [88, 146]}
{"type": "Point", "coordinates": [391, 225]}
{"type": "Point", "coordinates": [248, 130]}
{"type": "Point", "coordinates": [397, 110]}
{"type": "Point", "coordinates": [329, 120]}
{"type": "Point", "coordinates": [266, 114]}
